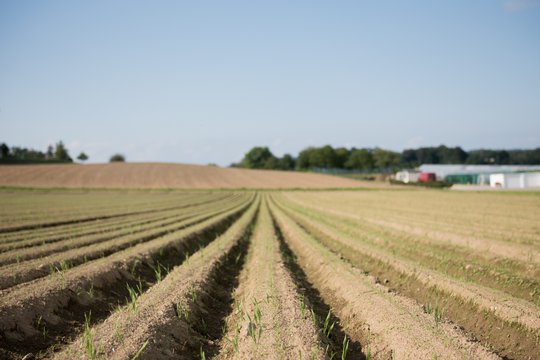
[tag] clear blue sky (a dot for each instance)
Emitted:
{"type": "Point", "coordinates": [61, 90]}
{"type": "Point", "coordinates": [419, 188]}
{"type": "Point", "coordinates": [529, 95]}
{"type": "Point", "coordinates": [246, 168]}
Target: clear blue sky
{"type": "Point", "coordinates": [204, 81]}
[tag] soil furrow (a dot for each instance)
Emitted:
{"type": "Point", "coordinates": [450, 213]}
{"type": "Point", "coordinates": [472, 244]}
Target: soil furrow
{"type": "Point", "coordinates": [157, 221]}
{"type": "Point", "coordinates": [518, 280]}
{"type": "Point", "coordinates": [16, 274]}
{"type": "Point", "coordinates": [270, 320]}
{"type": "Point", "coordinates": [386, 324]}
{"type": "Point", "coordinates": [79, 220]}
{"type": "Point", "coordinates": [60, 303]}
{"type": "Point", "coordinates": [50, 235]}
{"type": "Point", "coordinates": [181, 316]}
{"type": "Point", "coordinates": [507, 325]}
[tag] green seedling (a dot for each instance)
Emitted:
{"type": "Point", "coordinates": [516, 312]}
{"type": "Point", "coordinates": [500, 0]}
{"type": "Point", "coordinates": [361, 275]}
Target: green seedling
{"type": "Point", "coordinates": [136, 356]}
{"type": "Point", "coordinates": [157, 272]}
{"type": "Point", "coordinates": [345, 348]}
{"type": "Point", "coordinates": [303, 306]}
{"type": "Point", "coordinates": [327, 327]}
{"type": "Point", "coordinates": [252, 329]}
{"type": "Point", "coordinates": [204, 327]}
{"type": "Point", "coordinates": [132, 297]}
{"type": "Point", "coordinates": [88, 338]}
{"type": "Point", "coordinates": [258, 314]}
{"type": "Point", "coordinates": [234, 342]}
{"type": "Point", "coordinates": [182, 312]}
{"type": "Point", "coordinates": [90, 291]}
{"type": "Point", "coordinates": [438, 313]}
{"type": "Point", "coordinates": [134, 266]}
{"type": "Point", "coordinates": [314, 318]}
{"type": "Point", "coordinates": [40, 323]}
{"type": "Point", "coordinates": [201, 354]}
{"type": "Point", "coordinates": [118, 333]}
{"type": "Point", "coordinates": [65, 265]}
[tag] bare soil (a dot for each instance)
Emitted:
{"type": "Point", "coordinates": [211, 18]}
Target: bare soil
{"type": "Point", "coordinates": [162, 175]}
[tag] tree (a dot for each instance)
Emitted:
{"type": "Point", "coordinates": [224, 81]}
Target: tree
{"type": "Point", "coordinates": [360, 159]}
{"type": "Point", "coordinates": [302, 163]}
{"type": "Point", "coordinates": [385, 159]}
{"type": "Point", "coordinates": [61, 153]}
{"type": "Point", "coordinates": [448, 155]}
{"type": "Point", "coordinates": [259, 157]}
{"type": "Point", "coordinates": [341, 156]}
{"type": "Point", "coordinates": [50, 152]}
{"type": "Point", "coordinates": [287, 162]}
{"type": "Point", "coordinates": [117, 158]}
{"type": "Point", "coordinates": [4, 151]}
{"type": "Point", "coordinates": [82, 157]}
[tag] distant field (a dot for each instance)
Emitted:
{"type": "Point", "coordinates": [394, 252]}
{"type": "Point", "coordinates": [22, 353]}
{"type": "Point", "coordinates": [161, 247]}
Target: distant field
{"type": "Point", "coordinates": [292, 274]}
{"type": "Point", "coordinates": [161, 175]}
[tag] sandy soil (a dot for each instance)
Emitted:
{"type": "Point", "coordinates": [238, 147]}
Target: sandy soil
{"type": "Point", "coordinates": [59, 298]}
{"type": "Point", "coordinates": [394, 325]}
{"type": "Point", "coordinates": [267, 289]}
{"type": "Point", "coordinates": [163, 175]}
{"type": "Point", "coordinates": [167, 315]}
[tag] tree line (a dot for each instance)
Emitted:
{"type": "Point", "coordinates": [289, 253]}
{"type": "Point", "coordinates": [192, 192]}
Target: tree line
{"type": "Point", "coordinates": [54, 154]}
{"type": "Point", "coordinates": [377, 159]}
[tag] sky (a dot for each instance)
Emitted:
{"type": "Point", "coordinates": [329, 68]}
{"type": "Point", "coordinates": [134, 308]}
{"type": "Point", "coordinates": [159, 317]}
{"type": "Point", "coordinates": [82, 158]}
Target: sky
{"type": "Point", "coordinates": [204, 81]}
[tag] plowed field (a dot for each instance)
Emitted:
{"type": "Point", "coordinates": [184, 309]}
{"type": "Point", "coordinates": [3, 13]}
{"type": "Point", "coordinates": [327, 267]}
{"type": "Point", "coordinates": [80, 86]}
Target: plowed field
{"type": "Point", "coordinates": [162, 175]}
{"type": "Point", "coordinates": [386, 274]}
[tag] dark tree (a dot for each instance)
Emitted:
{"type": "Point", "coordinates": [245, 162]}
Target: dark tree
{"type": "Point", "coordinates": [287, 162]}
{"type": "Point", "coordinates": [302, 163]}
{"type": "Point", "coordinates": [341, 156]}
{"type": "Point", "coordinates": [385, 159]}
{"type": "Point", "coordinates": [360, 159]}
{"type": "Point", "coordinates": [4, 151]}
{"type": "Point", "coordinates": [61, 153]}
{"type": "Point", "coordinates": [82, 157]}
{"type": "Point", "coordinates": [259, 158]}
{"type": "Point", "coordinates": [50, 152]}
{"type": "Point", "coordinates": [117, 158]}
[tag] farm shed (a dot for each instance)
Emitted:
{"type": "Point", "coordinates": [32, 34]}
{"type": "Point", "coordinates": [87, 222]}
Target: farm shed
{"type": "Point", "coordinates": [427, 177]}
{"type": "Point", "coordinates": [407, 176]}
{"type": "Point", "coordinates": [473, 174]}
{"type": "Point", "coordinates": [515, 180]}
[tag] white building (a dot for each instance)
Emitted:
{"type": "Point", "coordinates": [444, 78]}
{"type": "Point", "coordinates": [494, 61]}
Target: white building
{"type": "Point", "coordinates": [407, 176]}
{"type": "Point", "coordinates": [443, 170]}
{"type": "Point", "coordinates": [515, 180]}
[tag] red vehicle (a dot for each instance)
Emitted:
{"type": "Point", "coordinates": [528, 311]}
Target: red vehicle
{"type": "Point", "coordinates": [427, 177]}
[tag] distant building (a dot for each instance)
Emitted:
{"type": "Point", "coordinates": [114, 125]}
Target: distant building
{"type": "Point", "coordinates": [407, 176]}
{"type": "Point", "coordinates": [473, 174]}
{"type": "Point", "coordinates": [515, 180]}
{"type": "Point", "coordinates": [427, 177]}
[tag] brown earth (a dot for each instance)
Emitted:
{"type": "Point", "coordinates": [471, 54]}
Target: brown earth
{"type": "Point", "coordinates": [268, 321]}
{"type": "Point", "coordinates": [390, 326]}
{"type": "Point", "coordinates": [165, 175]}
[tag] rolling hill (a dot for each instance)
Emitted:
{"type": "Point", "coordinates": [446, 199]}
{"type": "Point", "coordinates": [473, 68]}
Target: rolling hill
{"type": "Point", "coordinates": [163, 175]}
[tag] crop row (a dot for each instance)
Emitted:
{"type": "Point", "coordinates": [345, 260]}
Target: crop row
{"type": "Point", "coordinates": [262, 275]}
{"type": "Point", "coordinates": [503, 322]}
{"type": "Point", "coordinates": [56, 300]}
